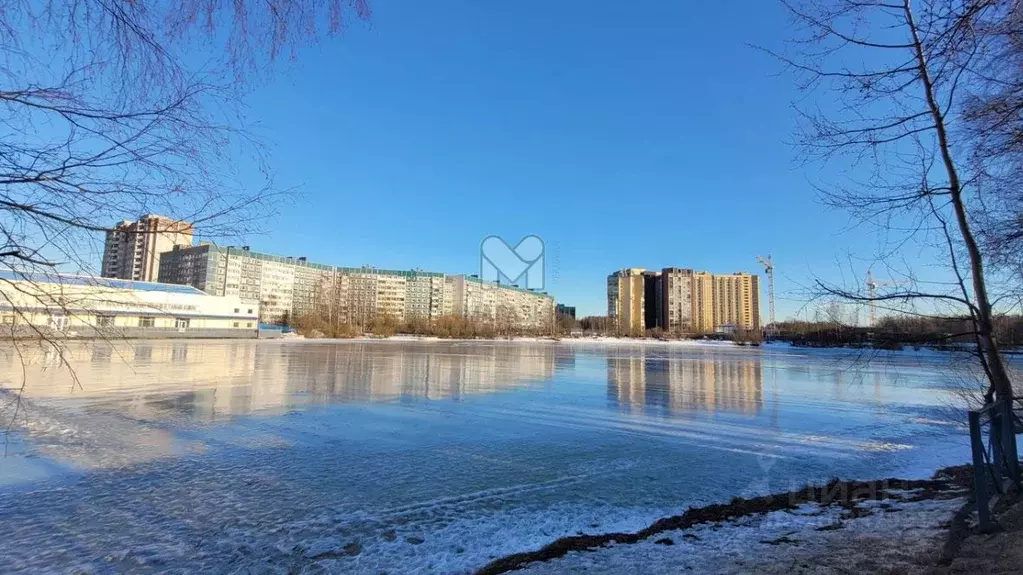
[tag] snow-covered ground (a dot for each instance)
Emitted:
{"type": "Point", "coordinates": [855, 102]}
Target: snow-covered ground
{"type": "Point", "coordinates": [897, 537]}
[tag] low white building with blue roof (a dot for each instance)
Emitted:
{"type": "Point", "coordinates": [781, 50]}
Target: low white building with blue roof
{"type": "Point", "coordinates": [63, 305]}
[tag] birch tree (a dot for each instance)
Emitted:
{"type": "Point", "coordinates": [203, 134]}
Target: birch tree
{"type": "Point", "coordinates": [899, 78]}
{"type": "Point", "coordinates": [113, 109]}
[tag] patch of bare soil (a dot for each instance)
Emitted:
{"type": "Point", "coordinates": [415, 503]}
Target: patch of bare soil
{"type": "Point", "coordinates": [994, 553]}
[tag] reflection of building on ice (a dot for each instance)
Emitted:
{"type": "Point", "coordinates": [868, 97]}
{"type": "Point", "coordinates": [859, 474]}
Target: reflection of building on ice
{"type": "Point", "coordinates": [167, 377]}
{"type": "Point", "coordinates": [680, 383]}
{"type": "Point", "coordinates": [122, 392]}
{"type": "Point", "coordinates": [211, 379]}
{"type": "Point", "coordinates": [435, 371]}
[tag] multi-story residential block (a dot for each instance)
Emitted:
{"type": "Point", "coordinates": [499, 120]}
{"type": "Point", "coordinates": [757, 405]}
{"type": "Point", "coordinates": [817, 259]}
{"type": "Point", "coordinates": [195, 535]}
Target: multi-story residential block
{"type": "Point", "coordinates": [736, 301]}
{"type": "Point", "coordinates": [424, 295]}
{"type": "Point", "coordinates": [391, 296]}
{"type": "Point", "coordinates": [682, 300]}
{"type": "Point", "coordinates": [677, 300]}
{"type": "Point", "coordinates": [132, 250]}
{"type": "Point", "coordinates": [269, 281]}
{"type": "Point", "coordinates": [614, 298]}
{"type": "Point", "coordinates": [312, 286]}
{"type": "Point", "coordinates": [505, 306]}
{"type": "Point", "coordinates": [276, 288]}
{"type": "Point", "coordinates": [562, 309]}
{"type": "Point", "coordinates": [290, 287]}
{"type": "Point", "coordinates": [653, 310]}
{"type": "Point", "coordinates": [359, 292]}
{"type": "Point", "coordinates": [703, 302]}
{"type": "Point", "coordinates": [626, 300]}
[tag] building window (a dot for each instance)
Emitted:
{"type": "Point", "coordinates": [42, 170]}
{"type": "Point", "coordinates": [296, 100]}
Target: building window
{"type": "Point", "coordinates": [147, 321]}
{"type": "Point", "coordinates": [249, 324]}
{"type": "Point", "coordinates": [7, 320]}
{"type": "Point", "coordinates": [181, 322]}
{"type": "Point", "coordinates": [250, 310]}
{"type": "Point", "coordinates": [236, 324]}
{"type": "Point", "coordinates": [104, 320]}
{"type": "Point", "coordinates": [236, 310]}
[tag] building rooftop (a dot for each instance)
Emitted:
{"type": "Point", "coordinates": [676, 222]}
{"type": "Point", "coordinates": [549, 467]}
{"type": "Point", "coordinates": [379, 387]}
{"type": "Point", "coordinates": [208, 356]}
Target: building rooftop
{"type": "Point", "coordinates": [479, 280]}
{"type": "Point", "coordinates": [72, 279]}
{"type": "Point", "coordinates": [300, 262]}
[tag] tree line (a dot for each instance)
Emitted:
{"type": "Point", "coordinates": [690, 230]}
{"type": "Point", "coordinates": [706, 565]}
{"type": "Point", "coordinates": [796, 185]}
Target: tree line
{"type": "Point", "coordinates": [917, 105]}
{"type": "Point", "coordinates": [317, 324]}
{"type": "Point", "coordinates": [897, 332]}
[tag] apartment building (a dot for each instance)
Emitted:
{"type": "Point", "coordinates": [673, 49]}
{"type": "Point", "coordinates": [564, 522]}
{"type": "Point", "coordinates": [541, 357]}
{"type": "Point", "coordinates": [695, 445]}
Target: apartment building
{"type": "Point", "coordinates": [681, 300]}
{"type": "Point", "coordinates": [270, 281]}
{"type": "Point", "coordinates": [653, 291]}
{"type": "Point", "coordinates": [703, 302]}
{"type": "Point", "coordinates": [424, 295]}
{"type": "Point", "coordinates": [626, 300]}
{"type": "Point", "coordinates": [736, 301]}
{"type": "Point", "coordinates": [390, 296]}
{"type": "Point", "coordinates": [676, 300]}
{"type": "Point", "coordinates": [287, 287]}
{"type": "Point", "coordinates": [503, 305]}
{"type": "Point", "coordinates": [562, 309]}
{"type": "Point", "coordinates": [132, 249]}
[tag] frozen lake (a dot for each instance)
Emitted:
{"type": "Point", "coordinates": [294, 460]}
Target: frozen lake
{"type": "Point", "coordinates": [432, 457]}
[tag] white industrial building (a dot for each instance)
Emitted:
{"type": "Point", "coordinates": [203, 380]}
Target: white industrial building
{"type": "Point", "coordinates": [58, 305]}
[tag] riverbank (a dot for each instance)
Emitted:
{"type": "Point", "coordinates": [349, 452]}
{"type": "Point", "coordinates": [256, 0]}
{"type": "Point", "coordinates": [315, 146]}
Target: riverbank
{"type": "Point", "coordinates": [891, 525]}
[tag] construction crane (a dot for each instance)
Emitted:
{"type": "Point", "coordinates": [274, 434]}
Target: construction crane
{"type": "Point", "coordinates": [769, 270]}
{"type": "Point", "coordinates": [872, 285]}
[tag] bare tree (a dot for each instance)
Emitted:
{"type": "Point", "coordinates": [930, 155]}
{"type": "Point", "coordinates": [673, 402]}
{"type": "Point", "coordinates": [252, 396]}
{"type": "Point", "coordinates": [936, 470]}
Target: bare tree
{"type": "Point", "coordinates": [993, 114]}
{"type": "Point", "coordinates": [112, 110]}
{"type": "Point", "coordinates": [899, 75]}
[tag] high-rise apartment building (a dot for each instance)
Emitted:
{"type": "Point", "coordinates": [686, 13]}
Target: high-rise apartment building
{"type": "Point", "coordinates": [682, 300]}
{"type": "Point", "coordinates": [676, 300]}
{"type": "Point", "coordinates": [703, 302]}
{"type": "Point", "coordinates": [626, 300]}
{"type": "Point", "coordinates": [736, 300]}
{"type": "Point", "coordinates": [653, 289]}
{"type": "Point", "coordinates": [132, 250]}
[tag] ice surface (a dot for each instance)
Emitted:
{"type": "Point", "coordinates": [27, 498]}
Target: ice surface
{"type": "Point", "coordinates": [429, 457]}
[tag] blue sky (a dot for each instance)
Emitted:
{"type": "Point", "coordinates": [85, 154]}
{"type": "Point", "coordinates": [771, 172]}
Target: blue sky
{"type": "Point", "coordinates": [625, 134]}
